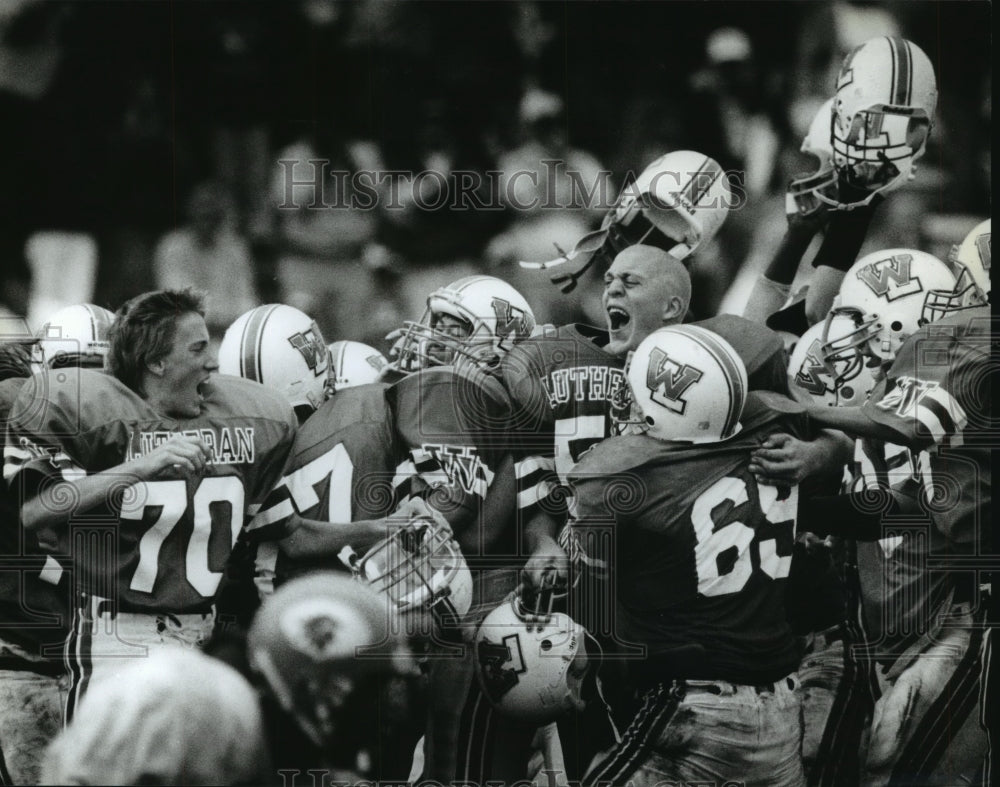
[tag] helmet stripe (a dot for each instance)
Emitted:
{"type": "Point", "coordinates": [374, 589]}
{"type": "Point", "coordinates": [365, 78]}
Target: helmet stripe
{"type": "Point", "coordinates": [250, 343]}
{"type": "Point", "coordinates": [93, 321]}
{"type": "Point", "coordinates": [338, 362]}
{"type": "Point", "coordinates": [737, 393]}
{"type": "Point", "coordinates": [902, 71]}
{"type": "Point", "coordinates": [702, 180]}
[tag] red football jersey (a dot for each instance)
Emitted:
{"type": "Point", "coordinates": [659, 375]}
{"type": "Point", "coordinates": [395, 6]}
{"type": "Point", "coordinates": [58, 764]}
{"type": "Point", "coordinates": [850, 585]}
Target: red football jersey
{"type": "Point", "coordinates": [340, 469]}
{"type": "Point", "coordinates": [153, 546]}
{"type": "Point", "coordinates": [34, 587]}
{"type": "Point", "coordinates": [936, 397]}
{"type": "Point", "coordinates": [698, 553]}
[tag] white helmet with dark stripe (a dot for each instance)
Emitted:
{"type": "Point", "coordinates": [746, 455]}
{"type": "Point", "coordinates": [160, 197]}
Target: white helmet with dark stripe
{"type": "Point", "coordinates": [476, 318]}
{"type": "Point", "coordinates": [353, 363]}
{"type": "Point", "coordinates": [882, 115]}
{"type": "Point", "coordinates": [76, 336]}
{"type": "Point", "coordinates": [280, 347]}
{"type": "Point", "coordinates": [678, 203]}
{"type": "Point", "coordinates": [684, 195]}
{"type": "Point", "coordinates": [687, 384]}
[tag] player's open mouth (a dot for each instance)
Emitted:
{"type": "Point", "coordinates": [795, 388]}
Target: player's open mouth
{"type": "Point", "coordinates": [618, 318]}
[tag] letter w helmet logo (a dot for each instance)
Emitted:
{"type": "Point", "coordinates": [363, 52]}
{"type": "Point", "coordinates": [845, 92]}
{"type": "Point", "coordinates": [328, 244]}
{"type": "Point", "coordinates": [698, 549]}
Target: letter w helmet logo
{"type": "Point", "coordinates": [891, 278]}
{"type": "Point", "coordinates": [814, 375]}
{"type": "Point", "coordinates": [310, 344]}
{"type": "Point", "coordinates": [510, 320]}
{"type": "Point", "coordinates": [667, 380]}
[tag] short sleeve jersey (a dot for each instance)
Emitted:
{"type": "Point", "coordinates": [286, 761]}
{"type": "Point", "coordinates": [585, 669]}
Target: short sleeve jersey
{"type": "Point", "coordinates": [161, 545]}
{"type": "Point", "coordinates": [700, 553]}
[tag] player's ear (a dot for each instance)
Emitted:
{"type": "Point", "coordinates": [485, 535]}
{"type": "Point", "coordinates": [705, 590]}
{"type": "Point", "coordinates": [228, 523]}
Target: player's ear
{"type": "Point", "coordinates": [156, 368]}
{"type": "Point", "coordinates": [673, 310]}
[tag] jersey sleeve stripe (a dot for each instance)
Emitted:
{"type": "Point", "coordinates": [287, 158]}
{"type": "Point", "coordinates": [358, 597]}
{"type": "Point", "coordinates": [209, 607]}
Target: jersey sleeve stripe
{"type": "Point", "coordinates": [269, 516]}
{"type": "Point", "coordinates": [534, 495]}
{"type": "Point", "coordinates": [954, 410]}
{"type": "Point", "coordinates": [931, 417]}
{"type": "Point", "coordinates": [534, 464]}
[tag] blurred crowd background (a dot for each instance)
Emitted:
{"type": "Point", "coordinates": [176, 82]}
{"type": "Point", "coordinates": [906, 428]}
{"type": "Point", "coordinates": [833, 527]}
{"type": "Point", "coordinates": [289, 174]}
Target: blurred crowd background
{"type": "Point", "coordinates": [143, 141]}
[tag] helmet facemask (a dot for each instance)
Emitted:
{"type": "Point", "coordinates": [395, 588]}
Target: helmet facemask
{"type": "Point", "coordinates": [415, 567]}
{"type": "Point", "coordinates": [875, 150]}
{"type": "Point", "coordinates": [845, 357]}
{"type": "Point", "coordinates": [967, 292]}
{"type": "Point", "coordinates": [811, 193]}
{"type": "Point", "coordinates": [446, 336]}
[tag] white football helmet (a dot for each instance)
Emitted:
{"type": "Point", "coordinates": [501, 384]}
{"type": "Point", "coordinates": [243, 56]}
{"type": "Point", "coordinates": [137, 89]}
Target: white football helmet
{"type": "Point", "coordinates": [889, 295]}
{"type": "Point", "coordinates": [970, 261]}
{"type": "Point", "coordinates": [882, 115]}
{"type": "Point", "coordinates": [316, 640]}
{"type": "Point", "coordinates": [488, 317]}
{"type": "Point", "coordinates": [280, 347]}
{"type": "Point", "coordinates": [420, 568]}
{"type": "Point", "coordinates": [678, 203]}
{"type": "Point", "coordinates": [807, 193]}
{"type": "Point", "coordinates": [76, 336]}
{"type": "Point", "coordinates": [353, 363]}
{"type": "Point", "coordinates": [687, 384]}
{"type": "Point", "coordinates": [530, 671]}
{"type": "Point", "coordinates": [827, 377]}
{"type": "Point", "coordinates": [684, 195]}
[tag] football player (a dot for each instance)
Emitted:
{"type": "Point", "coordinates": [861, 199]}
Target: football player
{"type": "Point", "coordinates": [161, 459]}
{"type": "Point", "coordinates": [431, 434]}
{"type": "Point", "coordinates": [838, 687]}
{"type": "Point", "coordinates": [34, 587]}
{"type": "Point", "coordinates": [883, 113]}
{"type": "Point", "coordinates": [353, 363]}
{"type": "Point", "coordinates": [340, 684]}
{"type": "Point", "coordinates": [700, 558]}
{"type": "Point", "coordinates": [922, 446]}
{"type": "Point", "coordinates": [563, 383]}
{"type": "Point", "coordinates": [283, 348]}
{"type": "Point", "coordinates": [423, 432]}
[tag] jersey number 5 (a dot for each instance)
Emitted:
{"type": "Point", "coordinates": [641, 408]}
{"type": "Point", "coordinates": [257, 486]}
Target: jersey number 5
{"type": "Point", "coordinates": [724, 554]}
{"type": "Point", "coordinates": [217, 504]}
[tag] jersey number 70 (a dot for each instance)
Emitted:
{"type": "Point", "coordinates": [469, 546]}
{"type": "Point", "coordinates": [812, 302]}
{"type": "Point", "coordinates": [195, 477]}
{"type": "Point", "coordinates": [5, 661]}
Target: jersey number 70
{"type": "Point", "coordinates": [217, 502]}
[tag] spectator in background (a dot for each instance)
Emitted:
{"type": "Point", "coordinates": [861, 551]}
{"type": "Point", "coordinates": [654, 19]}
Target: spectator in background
{"type": "Point", "coordinates": [30, 53]}
{"type": "Point", "coordinates": [208, 255]}
{"type": "Point", "coordinates": [556, 193]}
{"type": "Point", "coordinates": [742, 135]}
{"type": "Point", "coordinates": [328, 263]}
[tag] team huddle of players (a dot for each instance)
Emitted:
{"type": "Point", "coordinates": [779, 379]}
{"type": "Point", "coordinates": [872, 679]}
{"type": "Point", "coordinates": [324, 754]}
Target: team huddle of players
{"type": "Point", "coordinates": [661, 552]}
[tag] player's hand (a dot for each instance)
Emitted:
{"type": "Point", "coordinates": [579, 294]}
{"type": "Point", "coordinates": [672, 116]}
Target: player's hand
{"type": "Point", "coordinates": [815, 544]}
{"type": "Point", "coordinates": [785, 460]}
{"type": "Point", "coordinates": [815, 217]}
{"type": "Point", "coordinates": [417, 508]}
{"type": "Point", "coordinates": [548, 557]}
{"type": "Point", "coordinates": [181, 454]}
